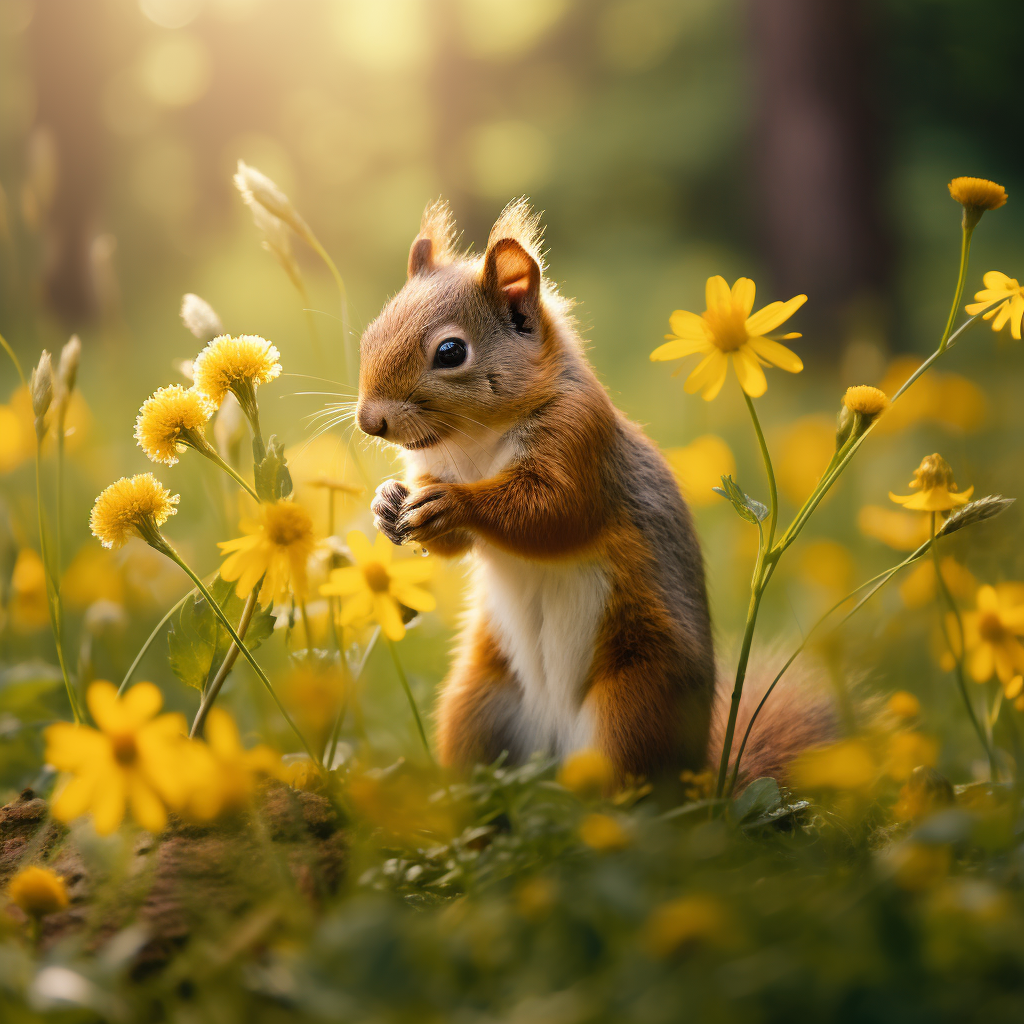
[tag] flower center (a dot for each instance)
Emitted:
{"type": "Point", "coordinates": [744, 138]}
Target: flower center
{"type": "Point", "coordinates": [991, 628]}
{"type": "Point", "coordinates": [730, 330]}
{"type": "Point", "coordinates": [934, 471]}
{"type": "Point", "coordinates": [377, 578]}
{"type": "Point", "coordinates": [125, 750]}
{"type": "Point", "coordinates": [285, 532]}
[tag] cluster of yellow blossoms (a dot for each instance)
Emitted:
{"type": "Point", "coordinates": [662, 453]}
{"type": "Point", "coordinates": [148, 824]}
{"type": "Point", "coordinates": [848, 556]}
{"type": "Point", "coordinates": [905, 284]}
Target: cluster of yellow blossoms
{"type": "Point", "coordinates": [140, 761]}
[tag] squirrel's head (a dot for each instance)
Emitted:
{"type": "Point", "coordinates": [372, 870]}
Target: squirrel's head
{"type": "Point", "coordinates": [467, 342]}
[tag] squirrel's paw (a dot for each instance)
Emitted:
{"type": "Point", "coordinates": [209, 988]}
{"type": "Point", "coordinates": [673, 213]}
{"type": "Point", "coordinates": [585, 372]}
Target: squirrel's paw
{"type": "Point", "coordinates": [387, 507]}
{"type": "Point", "coordinates": [429, 512]}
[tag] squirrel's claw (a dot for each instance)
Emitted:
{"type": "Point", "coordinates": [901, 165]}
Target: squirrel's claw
{"type": "Point", "coordinates": [387, 507]}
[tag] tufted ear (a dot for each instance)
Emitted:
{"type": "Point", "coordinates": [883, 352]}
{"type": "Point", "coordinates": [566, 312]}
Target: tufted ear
{"type": "Point", "coordinates": [433, 246]}
{"type": "Point", "coordinates": [512, 280]}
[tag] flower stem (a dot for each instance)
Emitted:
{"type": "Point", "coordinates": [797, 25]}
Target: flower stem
{"type": "Point", "coordinates": [965, 253]}
{"type": "Point", "coordinates": [762, 573]}
{"type": "Point", "coordinates": [168, 550]}
{"type": "Point", "coordinates": [314, 243]}
{"type": "Point", "coordinates": [53, 592]}
{"type": "Point", "coordinates": [958, 654]}
{"type": "Point", "coordinates": [215, 458]}
{"type": "Point", "coordinates": [225, 666]}
{"type": "Point", "coordinates": [149, 640]}
{"type": "Point", "coordinates": [880, 581]}
{"type": "Point", "coordinates": [14, 359]}
{"type": "Point", "coordinates": [403, 679]}
{"type": "Point", "coordinates": [306, 629]}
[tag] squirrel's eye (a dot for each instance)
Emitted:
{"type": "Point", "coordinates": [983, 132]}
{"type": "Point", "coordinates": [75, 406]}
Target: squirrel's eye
{"type": "Point", "coordinates": [451, 352]}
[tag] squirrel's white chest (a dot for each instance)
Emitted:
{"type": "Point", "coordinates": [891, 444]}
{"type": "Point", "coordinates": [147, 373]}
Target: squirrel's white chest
{"type": "Point", "coordinates": [545, 618]}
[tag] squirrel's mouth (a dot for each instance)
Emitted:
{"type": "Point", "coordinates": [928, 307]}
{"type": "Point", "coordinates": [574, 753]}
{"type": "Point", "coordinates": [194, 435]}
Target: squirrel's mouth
{"type": "Point", "coordinates": [420, 442]}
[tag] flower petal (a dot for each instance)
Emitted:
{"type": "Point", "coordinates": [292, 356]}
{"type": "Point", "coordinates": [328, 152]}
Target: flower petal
{"type": "Point", "coordinates": [997, 281]}
{"type": "Point", "coordinates": [708, 370]}
{"type": "Point", "coordinates": [773, 315]}
{"type": "Point", "coordinates": [982, 664]}
{"type": "Point", "coordinates": [385, 611]}
{"type": "Point", "coordinates": [749, 372]}
{"type": "Point", "coordinates": [717, 295]}
{"type": "Point", "coordinates": [146, 807]}
{"type": "Point", "coordinates": [414, 597]}
{"type": "Point", "coordinates": [383, 549]}
{"type": "Point", "coordinates": [412, 570]}
{"type": "Point", "coordinates": [678, 349]}
{"type": "Point", "coordinates": [141, 702]}
{"type": "Point", "coordinates": [360, 546]}
{"type": "Point", "coordinates": [108, 802]}
{"type": "Point", "coordinates": [344, 581]}
{"type": "Point", "coordinates": [688, 326]}
{"type": "Point", "coordinates": [743, 295]}
{"type": "Point", "coordinates": [357, 609]}
{"type": "Point", "coordinates": [776, 354]}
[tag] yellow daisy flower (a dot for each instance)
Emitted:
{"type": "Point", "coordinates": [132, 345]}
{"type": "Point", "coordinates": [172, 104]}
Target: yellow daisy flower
{"type": "Point", "coordinates": [131, 760]}
{"type": "Point", "coordinates": [223, 773]}
{"type": "Point", "coordinates": [172, 420]}
{"type": "Point", "coordinates": [999, 286]}
{"type": "Point", "coordinates": [933, 480]}
{"type": "Point", "coordinates": [977, 194]}
{"type": "Point", "coordinates": [375, 585]}
{"type": "Point", "coordinates": [238, 365]}
{"type": "Point", "coordinates": [726, 332]}
{"type": "Point", "coordinates": [991, 635]}
{"type": "Point", "coordinates": [276, 546]}
{"type": "Point", "coordinates": [38, 891]}
{"type": "Point", "coordinates": [132, 506]}
{"type": "Point", "coordinates": [868, 401]}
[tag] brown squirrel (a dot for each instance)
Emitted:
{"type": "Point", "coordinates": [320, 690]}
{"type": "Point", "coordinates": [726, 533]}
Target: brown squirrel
{"type": "Point", "coordinates": [588, 622]}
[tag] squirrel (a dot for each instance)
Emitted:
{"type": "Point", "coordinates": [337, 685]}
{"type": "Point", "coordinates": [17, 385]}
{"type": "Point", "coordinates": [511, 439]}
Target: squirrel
{"type": "Point", "coordinates": [588, 623]}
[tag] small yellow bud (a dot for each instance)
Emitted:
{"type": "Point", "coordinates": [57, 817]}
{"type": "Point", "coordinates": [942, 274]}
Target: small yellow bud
{"type": "Point", "coordinates": [866, 400]}
{"type": "Point", "coordinates": [38, 891]}
{"type": "Point", "coordinates": [602, 832]}
{"type": "Point", "coordinates": [904, 705]}
{"type": "Point", "coordinates": [976, 195]}
{"type": "Point", "coordinates": [587, 773]}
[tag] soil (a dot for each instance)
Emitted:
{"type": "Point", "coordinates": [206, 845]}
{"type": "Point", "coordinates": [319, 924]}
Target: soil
{"type": "Point", "coordinates": [293, 842]}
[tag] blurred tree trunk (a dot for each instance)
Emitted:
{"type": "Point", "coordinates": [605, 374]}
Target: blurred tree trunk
{"type": "Point", "coordinates": [67, 82]}
{"type": "Point", "coordinates": [816, 160]}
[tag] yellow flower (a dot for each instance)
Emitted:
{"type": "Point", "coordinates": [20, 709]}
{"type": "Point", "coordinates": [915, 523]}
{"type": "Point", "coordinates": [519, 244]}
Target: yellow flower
{"type": "Point", "coordinates": [726, 332]}
{"type": "Point", "coordinates": [135, 506]}
{"type": "Point", "coordinates": [237, 364]}
{"type": "Point", "coordinates": [999, 286]}
{"type": "Point", "coordinates": [866, 400]}
{"type": "Point", "coordinates": [904, 705]}
{"type": "Point", "coordinates": [29, 608]}
{"type": "Point", "coordinates": [919, 588]}
{"type": "Point", "coordinates": [15, 440]}
{"type": "Point", "coordinates": [903, 531]}
{"type": "Point", "coordinates": [908, 750]}
{"type": "Point", "coordinates": [991, 634]}
{"type": "Point", "coordinates": [315, 692]}
{"type": "Point", "coordinates": [38, 891]}
{"type": "Point", "coordinates": [977, 194]}
{"type": "Point", "coordinates": [132, 759]}
{"type": "Point", "coordinates": [683, 921]}
{"type": "Point", "coordinates": [587, 773]}
{"type": "Point", "coordinates": [375, 585]}
{"type": "Point", "coordinates": [602, 832]}
{"type": "Point", "coordinates": [171, 420]}
{"type": "Point", "coordinates": [276, 546]}
{"type": "Point", "coordinates": [848, 764]}
{"type": "Point", "coordinates": [223, 774]}
{"type": "Point", "coordinates": [933, 480]}
{"type": "Point", "coordinates": [700, 466]}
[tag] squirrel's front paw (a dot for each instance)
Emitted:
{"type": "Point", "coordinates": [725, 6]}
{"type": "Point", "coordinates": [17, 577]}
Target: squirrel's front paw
{"type": "Point", "coordinates": [387, 508]}
{"type": "Point", "coordinates": [428, 512]}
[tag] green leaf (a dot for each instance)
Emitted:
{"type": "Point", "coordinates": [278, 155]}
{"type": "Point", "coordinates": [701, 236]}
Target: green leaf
{"type": "Point", "coordinates": [760, 797]}
{"type": "Point", "coordinates": [198, 641]}
{"type": "Point", "coordinates": [273, 480]}
{"type": "Point", "coordinates": [748, 508]}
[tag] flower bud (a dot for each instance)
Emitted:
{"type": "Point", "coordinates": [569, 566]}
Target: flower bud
{"type": "Point", "coordinates": [277, 242]}
{"type": "Point", "coordinates": [200, 318]}
{"type": "Point", "coordinates": [41, 389]}
{"type": "Point", "coordinates": [256, 187]}
{"type": "Point", "coordinates": [862, 405]}
{"type": "Point", "coordinates": [67, 372]}
{"type": "Point", "coordinates": [976, 195]}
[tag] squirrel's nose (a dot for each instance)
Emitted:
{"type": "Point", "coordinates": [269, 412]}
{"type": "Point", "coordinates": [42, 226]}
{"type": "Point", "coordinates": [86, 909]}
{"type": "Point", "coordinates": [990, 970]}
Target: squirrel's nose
{"type": "Point", "coordinates": [371, 421]}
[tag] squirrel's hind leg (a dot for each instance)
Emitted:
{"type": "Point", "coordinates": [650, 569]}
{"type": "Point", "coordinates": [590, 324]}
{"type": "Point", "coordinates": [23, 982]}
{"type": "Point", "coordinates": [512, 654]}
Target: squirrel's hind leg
{"type": "Point", "coordinates": [480, 703]}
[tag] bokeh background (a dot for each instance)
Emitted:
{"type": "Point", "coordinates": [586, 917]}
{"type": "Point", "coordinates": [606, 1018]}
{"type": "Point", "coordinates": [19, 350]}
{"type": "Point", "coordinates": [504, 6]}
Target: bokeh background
{"type": "Point", "coordinates": [804, 143]}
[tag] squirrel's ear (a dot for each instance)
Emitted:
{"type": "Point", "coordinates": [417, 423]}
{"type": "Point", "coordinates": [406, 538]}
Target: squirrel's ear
{"type": "Point", "coordinates": [433, 246]}
{"type": "Point", "coordinates": [512, 277]}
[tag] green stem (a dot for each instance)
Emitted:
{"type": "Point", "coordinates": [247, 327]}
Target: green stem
{"type": "Point", "coordinates": [965, 253]}
{"type": "Point", "coordinates": [403, 679]}
{"type": "Point", "coordinates": [168, 550]}
{"type": "Point", "coordinates": [149, 641]}
{"type": "Point", "coordinates": [314, 243]}
{"type": "Point", "coordinates": [225, 666]}
{"type": "Point", "coordinates": [53, 593]}
{"type": "Point", "coordinates": [880, 580]}
{"type": "Point", "coordinates": [215, 458]}
{"type": "Point", "coordinates": [762, 574]}
{"type": "Point", "coordinates": [14, 359]}
{"type": "Point", "coordinates": [958, 654]}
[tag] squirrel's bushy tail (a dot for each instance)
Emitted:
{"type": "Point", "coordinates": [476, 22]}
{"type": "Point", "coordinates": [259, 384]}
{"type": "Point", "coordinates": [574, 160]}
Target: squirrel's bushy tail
{"type": "Point", "coordinates": [800, 713]}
